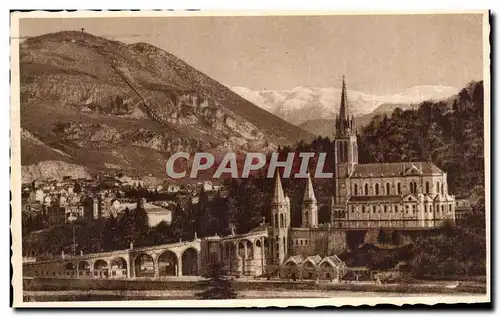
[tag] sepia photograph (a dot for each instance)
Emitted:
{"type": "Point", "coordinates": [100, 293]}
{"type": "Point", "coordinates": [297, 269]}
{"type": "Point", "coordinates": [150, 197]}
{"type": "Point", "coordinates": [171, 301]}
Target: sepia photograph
{"type": "Point", "coordinates": [243, 159]}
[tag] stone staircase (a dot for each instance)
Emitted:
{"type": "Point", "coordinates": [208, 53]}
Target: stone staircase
{"type": "Point", "coordinates": [149, 111]}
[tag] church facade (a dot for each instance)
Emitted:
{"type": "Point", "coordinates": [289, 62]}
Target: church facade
{"type": "Point", "coordinates": [384, 195]}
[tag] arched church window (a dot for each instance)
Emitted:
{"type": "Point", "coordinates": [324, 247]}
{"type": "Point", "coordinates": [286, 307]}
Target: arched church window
{"type": "Point", "coordinates": [438, 187]}
{"type": "Point", "coordinates": [442, 189]}
{"type": "Point", "coordinates": [355, 189]}
{"type": "Point", "coordinates": [399, 188]}
{"type": "Point", "coordinates": [388, 189]}
{"type": "Point", "coordinates": [341, 152]}
{"type": "Point", "coordinates": [276, 220]}
{"type": "Point", "coordinates": [413, 187]}
{"type": "Point", "coordinates": [366, 189]}
{"type": "Point", "coordinates": [427, 188]}
{"type": "Point", "coordinates": [281, 221]}
{"type": "Point", "coordinates": [376, 189]}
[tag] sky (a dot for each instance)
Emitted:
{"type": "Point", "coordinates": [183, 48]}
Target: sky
{"type": "Point", "coordinates": [378, 54]}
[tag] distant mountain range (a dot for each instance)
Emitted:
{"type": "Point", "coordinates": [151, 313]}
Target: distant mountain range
{"type": "Point", "coordinates": [303, 104]}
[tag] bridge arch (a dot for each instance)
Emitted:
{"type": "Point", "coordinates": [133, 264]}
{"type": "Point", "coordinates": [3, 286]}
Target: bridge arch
{"type": "Point", "coordinates": [144, 265]}
{"type": "Point", "coordinates": [118, 267]}
{"type": "Point", "coordinates": [101, 268]}
{"type": "Point", "coordinates": [69, 269]}
{"type": "Point", "coordinates": [84, 268]}
{"type": "Point", "coordinates": [190, 262]}
{"type": "Point", "coordinates": [168, 264]}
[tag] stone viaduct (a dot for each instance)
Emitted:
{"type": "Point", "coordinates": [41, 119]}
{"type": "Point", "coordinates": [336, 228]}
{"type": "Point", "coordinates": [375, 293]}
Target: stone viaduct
{"type": "Point", "coordinates": [241, 254]}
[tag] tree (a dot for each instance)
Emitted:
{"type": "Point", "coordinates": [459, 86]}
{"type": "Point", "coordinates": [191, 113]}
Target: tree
{"type": "Point", "coordinates": [141, 221]}
{"type": "Point", "coordinates": [111, 234]}
{"type": "Point", "coordinates": [128, 231]}
{"type": "Point", "coordinates": [182, 224]}
{"type": "Point", "coordinates": [218, 284]}
{"type": "Point", "coordinates": [161, 234]}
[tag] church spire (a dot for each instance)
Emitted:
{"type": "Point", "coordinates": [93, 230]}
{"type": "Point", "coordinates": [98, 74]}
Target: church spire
{"type": "Point", "coordinates": [344, 107]}
{"type": "Point", "coordinates": [309, 192]}
{"type": "Point", "coordinates": [344, 125]}
{"type": "Point", "coordinates": [279, 195]}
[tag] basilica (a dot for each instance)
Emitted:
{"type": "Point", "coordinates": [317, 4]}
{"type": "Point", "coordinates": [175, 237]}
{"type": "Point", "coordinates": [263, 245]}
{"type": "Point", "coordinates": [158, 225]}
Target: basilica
{"type": "Point", "coordinates": [367, 197]}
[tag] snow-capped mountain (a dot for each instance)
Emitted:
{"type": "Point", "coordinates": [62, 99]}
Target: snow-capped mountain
{"type": "Point", "coordinates": [305, 103]}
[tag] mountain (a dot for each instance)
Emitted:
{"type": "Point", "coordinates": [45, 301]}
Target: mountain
{"type": "Point", "coordinates": [302, 104]}
{"type": "Point", "coordinates": [107, 105]}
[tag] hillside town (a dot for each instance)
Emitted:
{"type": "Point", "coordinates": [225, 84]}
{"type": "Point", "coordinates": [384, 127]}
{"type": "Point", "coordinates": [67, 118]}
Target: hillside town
{"type": "Point", "coordinates": [64, 201]}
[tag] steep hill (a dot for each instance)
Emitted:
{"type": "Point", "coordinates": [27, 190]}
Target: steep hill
{"type": "Point", "coordinates": [105, 103]}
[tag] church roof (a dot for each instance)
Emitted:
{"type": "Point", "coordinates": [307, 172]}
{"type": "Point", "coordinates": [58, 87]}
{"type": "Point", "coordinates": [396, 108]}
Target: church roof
{"type": "Point", "coordinates": [333, 260]}
{"type": "Point", "coordinates": [361, 199]}
{"type": "Point", "coordinates": [315, 259]}
{"type": "Point", "coordinates": [394, 169]}
{"type": "Point", "coordinates": [297, 259]}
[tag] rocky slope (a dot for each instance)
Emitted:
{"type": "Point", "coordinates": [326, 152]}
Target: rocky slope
{"type": "Point", "coordinates": [52, 170]}
{"type": "Point", "coordinates": [105, 103]}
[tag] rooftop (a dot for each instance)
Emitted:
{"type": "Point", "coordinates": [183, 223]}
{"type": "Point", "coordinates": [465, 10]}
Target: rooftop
{"type": "Point", "coordinates": [395, 169]}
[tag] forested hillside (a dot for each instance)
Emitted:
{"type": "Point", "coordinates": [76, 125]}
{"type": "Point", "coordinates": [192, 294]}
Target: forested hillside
{"type": "Point", "coordinates": [448, 133]}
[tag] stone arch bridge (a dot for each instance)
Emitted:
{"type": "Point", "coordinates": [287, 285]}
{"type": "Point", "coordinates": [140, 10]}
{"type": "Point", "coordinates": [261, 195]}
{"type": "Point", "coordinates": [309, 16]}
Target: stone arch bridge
{"type": "Point", "coordinates": [246, 254]}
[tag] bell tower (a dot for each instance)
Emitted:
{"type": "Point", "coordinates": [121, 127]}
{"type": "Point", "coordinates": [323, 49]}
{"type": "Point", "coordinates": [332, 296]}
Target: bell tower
{"type": "Point", "coordinates": [280, 213]}
{"type": "Point", "coordinates": [309, 206]}
{"type": "Point", "coordinates": [346, 146]}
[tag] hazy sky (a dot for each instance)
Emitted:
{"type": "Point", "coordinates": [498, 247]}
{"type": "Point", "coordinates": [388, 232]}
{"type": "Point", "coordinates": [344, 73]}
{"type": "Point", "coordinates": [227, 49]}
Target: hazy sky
{"type": "Point", "coordinates": [378, 54]}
